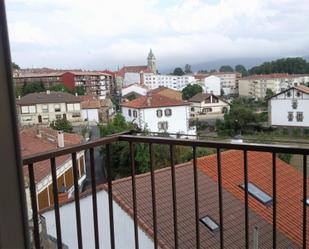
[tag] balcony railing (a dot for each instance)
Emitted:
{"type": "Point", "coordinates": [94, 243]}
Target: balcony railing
{"type": "Point", "coordinates": [132, 140]}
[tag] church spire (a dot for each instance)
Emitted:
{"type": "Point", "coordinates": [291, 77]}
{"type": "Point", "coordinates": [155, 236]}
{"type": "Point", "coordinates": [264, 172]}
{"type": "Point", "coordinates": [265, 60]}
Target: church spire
{"type": "Point", "coordinates": [151, 62]}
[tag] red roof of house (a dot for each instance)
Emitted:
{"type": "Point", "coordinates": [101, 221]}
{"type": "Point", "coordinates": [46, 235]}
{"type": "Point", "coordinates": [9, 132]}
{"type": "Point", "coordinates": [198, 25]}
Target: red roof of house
{"type": "Point", "coordinates": [133, 69]}
{"type": "Point", "coordinates": [289, 186]}
{"type": "Point", "coordinates": [31, 144]}
{"type": "Point", "coordinates": [152, 101]}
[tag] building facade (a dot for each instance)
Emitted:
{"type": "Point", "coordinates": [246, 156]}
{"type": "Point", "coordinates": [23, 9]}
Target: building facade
{"type": "Point", "coordinates": [44, 139]}
{"type": "Point", "coordinates": [255, 86]}
{"type": "Point", "coordinates": [204, 104]}
{"type": "Point", "coordinates": [45, 107]}
{"type": "Point", "coordinates": [158, 113]}
{"type": "Point", "coordinates": [290, 108]}
{"type": "Point", "coordinates": [153, 81]}
{"type": "Point", "coordinates": [212, 84]}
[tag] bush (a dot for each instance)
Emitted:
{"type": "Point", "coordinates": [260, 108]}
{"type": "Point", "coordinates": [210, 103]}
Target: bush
{"type": "Point", "coordinates": [285, 157]}
{"type": "Point", "coordinates": [62, 125]}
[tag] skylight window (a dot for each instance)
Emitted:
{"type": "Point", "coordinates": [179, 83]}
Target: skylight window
{"type": "Point", "coordinates": [258, 194]}
{"type": "Point", "coordinates": [210, 223]}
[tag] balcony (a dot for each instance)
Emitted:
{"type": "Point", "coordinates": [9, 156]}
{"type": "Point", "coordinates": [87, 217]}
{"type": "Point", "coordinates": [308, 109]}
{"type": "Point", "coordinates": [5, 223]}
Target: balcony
{"type": "Point", "coordinates": [242, 188]}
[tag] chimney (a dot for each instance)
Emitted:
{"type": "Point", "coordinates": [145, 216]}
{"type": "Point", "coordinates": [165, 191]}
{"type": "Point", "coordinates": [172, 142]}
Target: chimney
{"type": "Point", "coordinates": [47, 91]}
{"type": "Point", "coordinates": [60, 139]}
{"type": "Point", "coordinates": [38, 131]}
{"type": "Point", "coordinates": [76, 94]}
{"type": "Point", "coordinates": [19, 97]}
{"type": "Point", "coordinates": [149, 98]}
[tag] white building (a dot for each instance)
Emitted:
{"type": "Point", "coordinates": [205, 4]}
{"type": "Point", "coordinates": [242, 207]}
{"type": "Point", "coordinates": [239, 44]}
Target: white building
{"type": "Point", "coordinates": [123, 225]}
{"type": "Point", "coordinates": [45, 107]}
{"type": "Point", "coordinates": [290, 108]}
{"type": "Point", "coordinates": [135, 89]}
{"type": "Point", "coordinates": [229, 82]}
{"type": "Point", "coordinates": [208, 104]}
{"type": "Point", "coordinates": [212, 84]}
{"type": "Point", "coordinates": [158, 113]}
{"type": "Point", "coordinates": [255, 86]}
{"type": "Point", "coordinates": [153, 81]}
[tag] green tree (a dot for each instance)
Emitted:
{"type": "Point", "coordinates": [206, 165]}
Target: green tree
{"type": "Point", "coordinates": [226, 68]}
{"type": "Point", "coordinates": [15, 66]}
{"type": "Point", "coordinates": [62, 125]}
{"type": "Point", "coordinates": [285, 157]}
{"type": "Point", "coordinates": [178, 71]}
{"type": "Point", "coordinates": [18, 91]}
{"type": "Point", "coordinates": [191, 90]}
{"type": "Point", "coordinates": [269, 93]}
{"type": "Point", "coordinates": [60, 88]}
{"type": "Point", "coordinates": [241, 69]}
{"type": "Point", "coordinates": [80, 90]}
{"type": "Point", "coordinates": [203, 71]}
{"type": "Point", "coordinates": [188, 68]}
{"type": "Point", "coordinates": [33, 87]}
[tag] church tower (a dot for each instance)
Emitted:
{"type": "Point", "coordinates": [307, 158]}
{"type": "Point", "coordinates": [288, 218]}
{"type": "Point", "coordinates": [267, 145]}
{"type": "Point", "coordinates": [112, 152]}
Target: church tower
{"type": "Point", "coordinates": [151, 59]}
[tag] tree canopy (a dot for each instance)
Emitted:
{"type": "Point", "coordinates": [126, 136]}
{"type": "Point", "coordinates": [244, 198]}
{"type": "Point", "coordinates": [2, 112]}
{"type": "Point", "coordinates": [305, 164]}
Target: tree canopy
{"type": "Point", "coordinates": [178, 71]}
{"type": "Point", "coordinates": [33, 87]}
{"type": "Point", "coordinates": [62, 125]}
{"type": "Point", "coordinates": [191, 90]}
{"type": "Point", "coordinates": [188, 68]}
{"type": "Point", "coordinates": [15, 66]}
{"type": "Point", "coordinates": [285, 65]}
{"type": "Point", "coordinates": [241, 69]}
{"type": "Point", "coordinates": [226, 68]}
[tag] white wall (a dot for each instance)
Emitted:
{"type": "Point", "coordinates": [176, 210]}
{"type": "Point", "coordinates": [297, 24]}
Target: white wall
{"type": "Point", "coordinates": [178, 122]}
{"type": "Point", "coordinates": [212, 84]}
{"type": "Point", "coordinates": [90, 115]}
{"type": "Point", "coordinates": [281, 105]}
{"type": "Point", "coordinates": [123, 223]}
{"type": "Point", "coordinates": [134, 88]}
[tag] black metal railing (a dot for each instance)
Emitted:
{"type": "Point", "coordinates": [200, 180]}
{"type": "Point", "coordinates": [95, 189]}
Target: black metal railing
{"type": "Point", "coordinates": [132, 140]}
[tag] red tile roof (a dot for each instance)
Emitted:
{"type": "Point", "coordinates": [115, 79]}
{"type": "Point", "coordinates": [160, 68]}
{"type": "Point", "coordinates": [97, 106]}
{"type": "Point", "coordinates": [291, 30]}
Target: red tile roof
{"type": "Point", "coordinates": [31, 144]}
{"type": "Point", "coordinates": [289, 186]}
{"type": "Point", "coordinates": [302, 88]}
{"type": "Point", "coordinates": [152, 101]}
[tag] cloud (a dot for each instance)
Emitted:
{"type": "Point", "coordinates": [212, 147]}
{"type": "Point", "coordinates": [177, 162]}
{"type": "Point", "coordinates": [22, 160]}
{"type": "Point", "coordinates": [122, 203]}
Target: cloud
{"type": "Point", "coordinates": [105, 34]}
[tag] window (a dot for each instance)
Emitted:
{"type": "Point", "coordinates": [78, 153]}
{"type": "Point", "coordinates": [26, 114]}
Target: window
{"type": "Point", "coordinates": [76, 115]}
{"type": "Point", "coordinates": [168, 112]}
{"type": "Point", "coordinates": [134, 113]}
{"type": "Point", "coordinates": [58, 117]}
{"type": "Point", "coordinates": [130, 112]}
{"type": "Point", "coordinates": [288, 94]}
{"type": "Point", "coordinates": [159, 113]}
{"type": "Point", "coordinates": [298, 94]}
{"type": "Point", "coordinates": [290, 116]}
{"type": "Point", "coordinates": [192, 109]}
{"type": "Point", "coordinates": [57, 108]}
{"type": "Point", "coordinates": [299, 116]}
{"type": "Point", "coordinates": [210, 223]}
{"type": "Point", "coordinates": [294, 104]}
{"type": "Point", "coordinates": [44, 108]}
{"type": "Point", "coordinates": [163, 126]}
{"type": "Point", "coordinates": [258, 194]}
{"type": "Point", "coordinates": [24, 109]}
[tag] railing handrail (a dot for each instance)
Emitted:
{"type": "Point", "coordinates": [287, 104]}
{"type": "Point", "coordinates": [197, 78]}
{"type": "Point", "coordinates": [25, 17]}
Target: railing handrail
{"type": "Point", "coordinates": [163, 140]}
{"type": "Point", "coordinates": [215, 144]}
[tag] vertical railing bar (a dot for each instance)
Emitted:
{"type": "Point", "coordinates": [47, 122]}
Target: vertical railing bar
{"type": "Point", "coordinates": [174, 196]}
{"type": "Point", "coordinates": [94, 198]}
{"type": "Point", "coordinates": [246, 198]}
{"type": "Point", "coordinates": [110, 196]}
{"type": "Point", "coordinates": [153, 195]}
{"type": "Point", "coordinates": [56, 201]}
{"type": "Point", "coordinates": [197, 227]}
{"type": "Point", "coordinates": [134, 195]}
{"type": "Point", "coordinates": [220, 197]}
{"type": "Point", "coordinates": [77, 204]}
{"type": "Point", "coordinates": [304, 201]}
{"type": "Point", "coordinates": [36, 231]}
{"type": "Point", "coordinates": [274, 173]}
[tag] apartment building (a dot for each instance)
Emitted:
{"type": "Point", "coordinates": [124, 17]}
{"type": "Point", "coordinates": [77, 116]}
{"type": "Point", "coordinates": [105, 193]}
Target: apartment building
{"type": "Point", "coordinates": [212, 84]}
{"type": "Point", "coordinates": [290, 108]}
{"type": "Point", "coordinates": [98, 84]}
{"type": "Point", "coordinates": [153, 81]}
{"type": "Point", "coordinates": [45, 107]}
{"type": "Point", "coordinates": [48, 79]}
{"type": "Point", "coordinates": [35, 141]}
{"type": "Point", "coordinates": [255, 86]}
{"type": "Point", "coordinates": [158, 113]}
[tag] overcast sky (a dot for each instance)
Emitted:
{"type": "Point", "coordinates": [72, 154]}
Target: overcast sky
{"type": "Point", "coordinates": [99, 34]}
